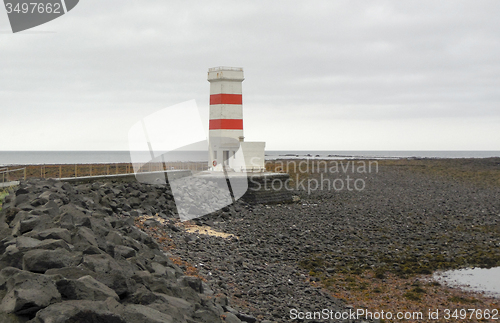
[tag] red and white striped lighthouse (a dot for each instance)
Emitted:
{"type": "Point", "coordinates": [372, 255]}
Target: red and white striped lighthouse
{"type": "Point", "coordinates": [226, 114]}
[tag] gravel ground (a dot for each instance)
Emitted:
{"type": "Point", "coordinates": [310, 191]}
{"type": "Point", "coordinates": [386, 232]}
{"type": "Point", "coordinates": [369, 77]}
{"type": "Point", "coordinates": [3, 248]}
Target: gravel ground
{"type": "Point", "coordinates": [403, 222]}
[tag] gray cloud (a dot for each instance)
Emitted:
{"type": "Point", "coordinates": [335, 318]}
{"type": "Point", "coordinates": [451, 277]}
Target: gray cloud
{"type": "Point", "coordinates": [324, 63]}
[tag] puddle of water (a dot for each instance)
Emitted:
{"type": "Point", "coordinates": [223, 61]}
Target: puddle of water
{"type": "Point", "coordinates": [474, 279]}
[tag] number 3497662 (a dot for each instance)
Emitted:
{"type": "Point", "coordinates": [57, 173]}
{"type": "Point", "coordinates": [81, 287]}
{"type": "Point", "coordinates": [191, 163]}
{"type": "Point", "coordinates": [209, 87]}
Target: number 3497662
{"type": "Point", "coordinates": [33, 7]}
{"type": "Point", "coordinates": [471, 314]}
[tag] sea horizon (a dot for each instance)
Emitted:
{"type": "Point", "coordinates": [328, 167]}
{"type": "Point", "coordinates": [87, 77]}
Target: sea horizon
{"type": "Point", "coordinates": [35, 157]}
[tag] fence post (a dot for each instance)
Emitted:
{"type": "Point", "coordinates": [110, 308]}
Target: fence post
{"type": "Point", "coordinates": [76, 171]}
{"type": "Point", "coordinates": [90, 169]}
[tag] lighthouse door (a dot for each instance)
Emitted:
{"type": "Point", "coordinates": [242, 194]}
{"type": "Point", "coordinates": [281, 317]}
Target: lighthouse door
{"type": "Point", "coordinates": [225, 156]}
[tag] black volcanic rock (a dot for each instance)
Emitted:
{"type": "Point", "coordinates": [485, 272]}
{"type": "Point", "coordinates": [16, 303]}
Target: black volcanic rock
{"type": "Point", "coordinates": [71, 254]}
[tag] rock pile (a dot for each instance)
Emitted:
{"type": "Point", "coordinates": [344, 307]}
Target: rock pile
{"type": "Point", "coordinates": [71, 253]}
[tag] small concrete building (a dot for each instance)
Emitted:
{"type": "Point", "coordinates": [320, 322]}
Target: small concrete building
{"type": "Point", "coordinates": [227, 148]}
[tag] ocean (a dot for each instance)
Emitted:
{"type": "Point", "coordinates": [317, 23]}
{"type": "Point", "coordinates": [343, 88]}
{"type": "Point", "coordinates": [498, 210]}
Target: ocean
{"type": "Point", "coordinates": [103, 157]}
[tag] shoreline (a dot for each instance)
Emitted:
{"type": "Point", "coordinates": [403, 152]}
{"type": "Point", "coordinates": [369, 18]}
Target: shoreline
{"type": "Point", "coordinates": [78, 157]}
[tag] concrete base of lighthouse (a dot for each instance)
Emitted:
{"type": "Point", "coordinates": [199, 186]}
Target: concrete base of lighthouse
{"type": "Point", "coordinates": [263, 188]}
{"type": "Point", "coordinates": [248, 156]}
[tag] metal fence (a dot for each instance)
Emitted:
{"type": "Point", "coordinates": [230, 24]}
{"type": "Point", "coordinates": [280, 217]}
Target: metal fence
{"type": "Point", "coordinates": [7, 174]}
{"type": "Point", "coordinates": [16, 173]}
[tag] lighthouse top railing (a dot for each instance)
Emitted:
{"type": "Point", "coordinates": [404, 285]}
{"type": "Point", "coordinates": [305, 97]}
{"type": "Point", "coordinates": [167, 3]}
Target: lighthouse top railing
{"type": "Point", "coordinates": [225, 68]}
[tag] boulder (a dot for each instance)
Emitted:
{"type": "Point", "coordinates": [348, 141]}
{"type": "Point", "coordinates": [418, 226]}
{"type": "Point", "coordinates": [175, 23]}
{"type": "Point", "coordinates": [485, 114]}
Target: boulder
{"type": "Point", "coordinates": [34, 222]}
{"type": "Point", "coordinates": [11, 257]}
{"type": "Point", "coordinates": [88, 250]}
{"type": "Point", "coordinates": [100, 263]}
{"type": "Point", "coordinates": [5, 274]}
{"type": "Point", "coordinates": [24, 243]}
{"type": "Point", "coordinates": [246, 318]}
{"type": "Point", "coordinates": [231, 318]}
{"type": "Point", "coordinates": [206, 316]}
{"type": "Point", "coordinates": [143, 277]}
{"type": "Point", "coordinates": [21, 199]}
{"type": "Point", "coordinates": [175, 301]}
{"type": "Point", "coordinates": [122, 284]}
{"type": "Point", "coordinates": [51, 208]}
{"type": "Point", "coordinates": [193, 282]}
{"type": "Point", "coordinates": [52, 244]}
{"type": "Point", "coordinates": [39, 201]}
{"type": "Point", "coordinates": [70, 272]}
{"type": "Point", "coordinates": [123, 251]}
{"type": "Point", "coordinates": [134, 313]}
{"type": "Point", "coordinates": [71, 215]}
{"type": "Point", "coordinates": [114, 238]}
{"type": "Point", "coordinates": [28, 292]}
{"type": "Point", "coordinates": [49, 195]}
{"type": "Point", "coordinates": [85, 236]}
{"type": "Point", "coordinates": [77, 311]}
{"type": "Point", "coordinates": [54, 233]}
{"type": "Point", "coordinates": [159, 269]}
{"type": "Point", "coordinates": [42, 260]}
{"type": "Point", "coordinates": [21, 191]}
{"type": "Point", "coordinates": [10, 213]}
{"type": "Point", "coordinates": [12, 318]}
{"type": "Point", "coordinates": [100, 227]}
{"type": "Point", "coordinates": [86, 288]}
{"type": "Point", "coordinates": [15, 223]}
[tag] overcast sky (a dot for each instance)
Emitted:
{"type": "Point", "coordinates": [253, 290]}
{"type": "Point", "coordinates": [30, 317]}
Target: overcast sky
{"type": "Point", "coordinates": [319, 75]}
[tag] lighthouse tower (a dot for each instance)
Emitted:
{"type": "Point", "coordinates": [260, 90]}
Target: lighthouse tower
{"type": "Point", "coordinates": [227, 147]}
{"type": "Point", "coordinates": [226, 111]}
{"type": "Point", "coordinates": [226, 115]}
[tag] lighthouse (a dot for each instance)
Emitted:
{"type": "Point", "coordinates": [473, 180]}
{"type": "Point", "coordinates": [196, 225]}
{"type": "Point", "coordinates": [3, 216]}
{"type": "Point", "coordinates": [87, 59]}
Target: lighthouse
{"type": "Point", "coordinates": [227, 150]}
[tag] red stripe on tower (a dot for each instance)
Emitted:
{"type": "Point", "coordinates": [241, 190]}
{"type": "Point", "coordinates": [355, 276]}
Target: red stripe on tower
{"type": "Point", "coordinates": [226, 124]}
{"type": "Point", "coordinates": [224, 98]}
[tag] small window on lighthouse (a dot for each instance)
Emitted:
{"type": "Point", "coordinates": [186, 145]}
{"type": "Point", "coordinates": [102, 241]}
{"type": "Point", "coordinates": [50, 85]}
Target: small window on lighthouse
{"type": "Point", "coordinates": [215, 154]}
